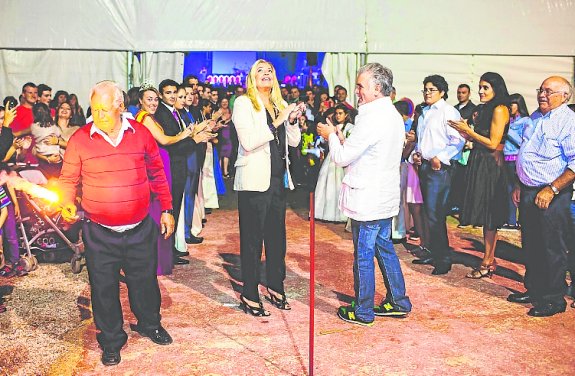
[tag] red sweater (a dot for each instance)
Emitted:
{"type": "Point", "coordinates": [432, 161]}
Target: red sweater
{"type": "Point", "coordinates": [116, 181]}
{"type": "Point", "coordinates": [23, 120]}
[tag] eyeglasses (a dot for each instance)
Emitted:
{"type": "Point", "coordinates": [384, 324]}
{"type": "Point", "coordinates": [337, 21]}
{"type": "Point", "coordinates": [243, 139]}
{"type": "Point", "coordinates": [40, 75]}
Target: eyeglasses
{"type": "Point", "coordinates": [425, 91]}
{"type": "Point", "coordinates": [548, 92]}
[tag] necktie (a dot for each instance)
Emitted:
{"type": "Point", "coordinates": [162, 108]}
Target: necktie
{"type": "Point", "coordinates": [177, 117]}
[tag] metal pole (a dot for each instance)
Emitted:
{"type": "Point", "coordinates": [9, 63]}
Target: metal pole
{"type": "Point", "coordinates": [311, 279]}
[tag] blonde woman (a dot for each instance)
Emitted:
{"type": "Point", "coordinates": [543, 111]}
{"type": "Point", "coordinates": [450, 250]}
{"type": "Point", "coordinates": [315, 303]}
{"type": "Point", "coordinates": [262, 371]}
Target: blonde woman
{"type": "Point", "coordinates": [265, 125]}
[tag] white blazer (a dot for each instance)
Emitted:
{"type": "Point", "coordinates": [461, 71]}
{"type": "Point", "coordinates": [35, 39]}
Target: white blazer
{"type": "Point", "coordinates": [371, 156]}
{"type": "Point", "coordinates": [253, 166]}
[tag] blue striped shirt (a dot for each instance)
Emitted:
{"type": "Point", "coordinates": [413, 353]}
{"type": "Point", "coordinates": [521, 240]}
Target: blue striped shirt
{"type": "Point", "coordinates": [548, 147]}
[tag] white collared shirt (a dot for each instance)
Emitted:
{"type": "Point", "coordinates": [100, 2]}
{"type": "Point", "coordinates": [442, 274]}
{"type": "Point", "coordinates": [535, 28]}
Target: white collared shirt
{"type": "Point", "coordinates": [125, 126]}
{"type": "Point", "coordinates": [171, 108]}
{"type": "Point", "coordinates": [435, 137]}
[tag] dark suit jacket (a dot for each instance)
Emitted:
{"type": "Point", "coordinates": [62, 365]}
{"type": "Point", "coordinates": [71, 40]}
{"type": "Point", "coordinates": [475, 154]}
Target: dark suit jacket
{"type": "Point", "coordinates": [165, 118]}
{"type": "Point", "coordinates": [467, 110]}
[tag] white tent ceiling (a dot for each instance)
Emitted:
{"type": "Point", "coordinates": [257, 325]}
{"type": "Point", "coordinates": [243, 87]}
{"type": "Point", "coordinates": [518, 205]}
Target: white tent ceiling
{"type": "Point", "coordinates": [95, 38]}
{"type": "Point", "coordinates": [488, 27]}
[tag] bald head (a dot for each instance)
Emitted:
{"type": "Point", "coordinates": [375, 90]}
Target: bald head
{"type": "Point", "coordinates": [554, 91]}
{"type": "Point", "coordinates": [107, 103]}
{"type": "Point", "coordinates": [111, 88]}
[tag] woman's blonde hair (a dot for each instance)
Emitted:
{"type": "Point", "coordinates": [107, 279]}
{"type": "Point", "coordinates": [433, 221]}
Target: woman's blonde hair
{"type": "Point", "coordinates": [252, 91]}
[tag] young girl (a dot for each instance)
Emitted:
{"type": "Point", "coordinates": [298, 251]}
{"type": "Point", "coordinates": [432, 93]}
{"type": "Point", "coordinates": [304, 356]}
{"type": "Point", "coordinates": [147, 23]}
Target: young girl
{"type": "Point", "coordinates": [331, 176]}
{"type": "Point", "coordinates": [49, 143]}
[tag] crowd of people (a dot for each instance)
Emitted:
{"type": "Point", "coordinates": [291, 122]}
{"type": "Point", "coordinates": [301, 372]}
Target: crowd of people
{"type": "Point", "coordinates": [388, 169]}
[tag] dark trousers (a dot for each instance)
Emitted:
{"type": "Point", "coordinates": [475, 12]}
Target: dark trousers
{"type": "Point", "coordinates": [544, 239]}
{"type": "Point", "coordinates": [435, 186]}
{"type": "Point", "coordinates": [134, 251]}
{"type": "Point", "coordinates": [457, 190]}
{"type": "Point", "coordinates": [179, 168]}
{"type": "Point", "coordinates": [262, 220]}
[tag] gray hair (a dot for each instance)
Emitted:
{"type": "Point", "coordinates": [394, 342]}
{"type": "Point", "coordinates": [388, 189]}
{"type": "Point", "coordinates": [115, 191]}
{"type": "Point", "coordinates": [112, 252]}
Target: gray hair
{"type": "Point", "coordinates": [108, 86]}
{"type": "Point", "coordinates": [380, 75]}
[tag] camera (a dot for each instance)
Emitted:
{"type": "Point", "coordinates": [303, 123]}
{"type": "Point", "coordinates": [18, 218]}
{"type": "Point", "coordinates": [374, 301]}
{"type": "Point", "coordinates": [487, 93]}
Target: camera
{"type": "Point", "coordinates": [10, 102]}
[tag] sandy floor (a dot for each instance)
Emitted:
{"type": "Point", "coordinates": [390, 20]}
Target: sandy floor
{"type": "Point", "coordinates": [458, 326]}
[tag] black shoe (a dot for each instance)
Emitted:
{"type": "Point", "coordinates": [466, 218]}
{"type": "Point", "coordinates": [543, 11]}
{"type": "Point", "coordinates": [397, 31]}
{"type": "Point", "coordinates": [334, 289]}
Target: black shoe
{"type": "Point", "coordinates": [347, 313]}
{"type": "Point", "coordinates": [570, 291]}
{"type": "Point", "coordinates": [258, 311]}
{"type": "Point", "coordinates": [399, 241]}
{"type": "Point", "coordinates": [194, 240]}
{"type": "Point", "coordinates": [204, 221]}
{"type": "Point", "coordinates": [179, 253]}
{"type": "Point", "coordinates": [519, 297]}
{"type": "Point", "coordinates": [423, 261]}
{"type": "Point", "coordinates": [110, 357]}
{"type": "Point", "coordinates": [386, 309]}
{"type": "Point", "coordinates": [180, 261]}
{"type": "Point", "coordinates": [441, 269]}
{"type": "Point", "coordinates": [280, 303]}
{"type": "Point", "coordinates": [208, 210]}
{"type": "Point", "coordinates": [547, 309]}
{"type": "Point", "coordinates": [159, 336]}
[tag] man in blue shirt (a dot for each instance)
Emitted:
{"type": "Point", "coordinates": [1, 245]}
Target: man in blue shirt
{"type": "Point", "coordinates": [545, 167]}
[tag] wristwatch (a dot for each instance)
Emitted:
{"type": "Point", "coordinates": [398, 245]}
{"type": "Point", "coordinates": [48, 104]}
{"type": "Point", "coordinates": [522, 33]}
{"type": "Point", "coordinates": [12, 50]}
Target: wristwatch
{"type": "Point", "coordinates": [554, 189]}
{"type": "Point", "coordinates": [168, 211]}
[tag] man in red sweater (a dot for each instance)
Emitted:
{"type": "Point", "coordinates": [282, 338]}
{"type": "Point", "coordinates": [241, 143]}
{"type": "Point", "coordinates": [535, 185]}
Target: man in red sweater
{"type": "Point", "coordinates": [24, 116]}
{"type": "Point", "coordinates": [117, 163]}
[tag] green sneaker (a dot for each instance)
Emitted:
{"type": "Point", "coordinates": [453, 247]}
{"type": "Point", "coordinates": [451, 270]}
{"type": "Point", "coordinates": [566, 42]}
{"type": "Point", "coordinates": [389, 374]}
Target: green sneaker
{"type": "Point", "coordinates": [387, 309]}
{"type": "Point", "coordinates": [347, 313]}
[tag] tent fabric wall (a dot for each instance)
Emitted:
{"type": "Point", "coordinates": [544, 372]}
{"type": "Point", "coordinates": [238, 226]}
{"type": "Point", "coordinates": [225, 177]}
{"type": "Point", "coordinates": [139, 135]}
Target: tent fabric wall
{"type": "Point", "coordinates": [522, 74]}
{"type": "Point", "coordinates": [68, 24]}
{"type": "Point", "coordinates": [153, 67]}
{"type": "Point", "coordinates": [73, 71]}
{"type": "Point", "coordinates": [486, 27]}
{"type": "Point", "coordinates": [340, 69]}
{"type": "Point", "coordinates": [248, 25]}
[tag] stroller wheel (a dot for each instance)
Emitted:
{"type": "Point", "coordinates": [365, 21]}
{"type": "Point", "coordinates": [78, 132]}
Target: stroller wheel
{"type": "Point", "coordinates": [76, 264]}
{"type": "Point", "coordinates": [34, 262]}
{"type": "Point", "coordinates": [27, 262]}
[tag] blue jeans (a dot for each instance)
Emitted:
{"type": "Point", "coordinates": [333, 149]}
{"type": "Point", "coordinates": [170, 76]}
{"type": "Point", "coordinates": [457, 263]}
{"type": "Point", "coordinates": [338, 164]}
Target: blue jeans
{"type": "Point", "coordinates": [435, 187]}
{"type": "Point", "coordinates": [373, 239]}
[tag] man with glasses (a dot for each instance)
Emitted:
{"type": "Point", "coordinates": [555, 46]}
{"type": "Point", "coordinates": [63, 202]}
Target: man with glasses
{"type": "Point", "coordinates": [437, 146]}
{"type": "Point", "coordinates": [545, 168]}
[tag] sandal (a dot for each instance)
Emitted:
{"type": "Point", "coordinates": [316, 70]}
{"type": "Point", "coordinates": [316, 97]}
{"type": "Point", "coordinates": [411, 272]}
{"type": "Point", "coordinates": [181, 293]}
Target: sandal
{"type": "Point", "coordinates": [258, 311]}
{"type": "Point", "coordinates": [482, 271]}
{"type": "Point", "coordinates": [277, 302]}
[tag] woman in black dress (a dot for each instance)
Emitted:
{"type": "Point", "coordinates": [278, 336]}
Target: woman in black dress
{"type": "Point", "coordinates": [484, 202]}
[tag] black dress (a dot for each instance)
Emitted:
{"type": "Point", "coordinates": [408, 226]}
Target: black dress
{"type": "Point", "coordinates": [485, 202]}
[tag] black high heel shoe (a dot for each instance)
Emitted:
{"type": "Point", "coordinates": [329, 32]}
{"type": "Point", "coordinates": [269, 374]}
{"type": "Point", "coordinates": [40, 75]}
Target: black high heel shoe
{"type": "Point", "coordinates": [258, 311]}
{"type": "Point", "coordinates": [277, 302]}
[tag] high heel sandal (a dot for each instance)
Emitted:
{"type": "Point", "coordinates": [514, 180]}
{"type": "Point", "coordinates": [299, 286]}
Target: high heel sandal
{"type": "Point", "coordinates": [277, 302]}
{"type": "Point", "coordinates": [482, 271]}
{"type": "Point", "coordinates": [258, 311]}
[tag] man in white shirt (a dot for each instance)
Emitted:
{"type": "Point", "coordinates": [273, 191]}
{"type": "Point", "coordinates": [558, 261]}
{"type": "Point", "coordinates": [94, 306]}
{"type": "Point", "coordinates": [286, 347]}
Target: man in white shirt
{"type": "Point", "coordinates": [437, 145]}
{"type": "Point", "coordinates": [370, 194]}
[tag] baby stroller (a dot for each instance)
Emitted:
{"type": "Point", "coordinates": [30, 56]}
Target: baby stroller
{"type": "Point", "coordinates": [42, 230]}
